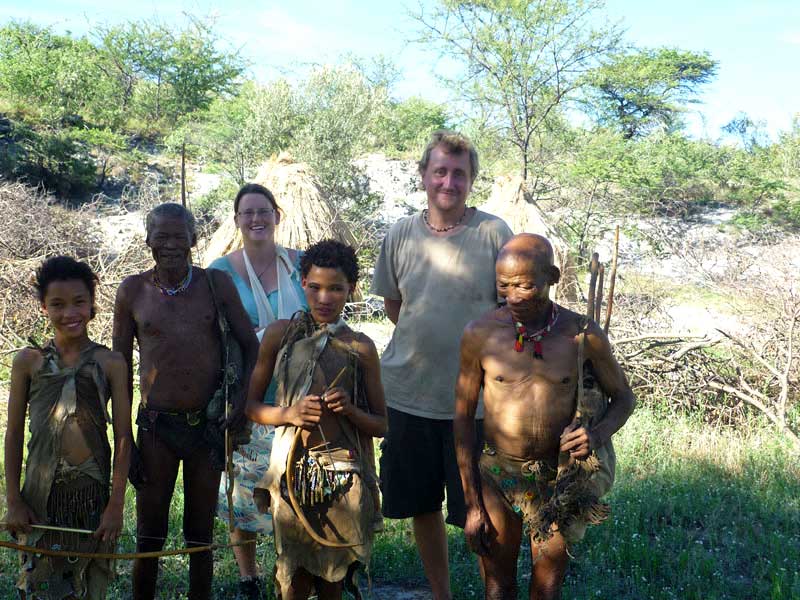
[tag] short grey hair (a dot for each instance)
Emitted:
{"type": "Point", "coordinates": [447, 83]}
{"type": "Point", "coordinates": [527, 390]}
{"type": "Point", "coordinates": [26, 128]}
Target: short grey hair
{"type": "Point", "coordinates": [170, 210]}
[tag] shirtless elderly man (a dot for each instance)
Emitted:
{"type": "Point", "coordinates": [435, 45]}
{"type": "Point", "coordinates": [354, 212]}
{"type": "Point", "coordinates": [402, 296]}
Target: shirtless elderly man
{"type": "Point", "coordinates": [548, 457]}
{"type": "Point", "coordinates": [171, 312]}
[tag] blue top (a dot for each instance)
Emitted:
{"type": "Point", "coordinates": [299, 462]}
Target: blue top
{"type": "Point", "coordinates": [249, 301]}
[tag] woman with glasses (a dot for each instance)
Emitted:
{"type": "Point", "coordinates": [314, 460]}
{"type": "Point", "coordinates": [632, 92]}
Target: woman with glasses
{"type": "Point", "coordinates": [267, 278]}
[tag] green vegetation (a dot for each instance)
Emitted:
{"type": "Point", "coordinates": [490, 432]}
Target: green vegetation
{"type": "Point", "coordinates": [76, 112]}
{"type": "Point", "coordinates": [523, 59]}
{"type": "Point", "coordinates": [696, 514]}
{"type": "Point", "coordinates": [645, 89]}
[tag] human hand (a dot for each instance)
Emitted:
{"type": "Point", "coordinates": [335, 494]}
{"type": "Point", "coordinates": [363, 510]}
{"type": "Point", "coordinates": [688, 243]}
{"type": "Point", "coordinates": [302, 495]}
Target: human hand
{"type": "Point", "coordinates": [110, 523]}
{"type": "Point", "coordinates": [338, 401]}
{"type": "Point", "coordinates": [19, 517]}
{"type": "Point", "coordinates": [576, 441]}
{"type": "Point", "coordinates": [306, 413]}
{"type": "Point", "coordinates": [477, 530]}
{"type": "Point", "coordinates": [236, 419]}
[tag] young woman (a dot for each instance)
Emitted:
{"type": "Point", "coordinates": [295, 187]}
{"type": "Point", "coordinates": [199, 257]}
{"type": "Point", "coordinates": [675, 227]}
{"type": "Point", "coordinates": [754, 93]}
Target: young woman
{"type": "Point", "coordinates": [329, 406]}
{"type": "Point", "coordinates": [267, 278]}
{"type": "Point", "coordinates": [65, 387]}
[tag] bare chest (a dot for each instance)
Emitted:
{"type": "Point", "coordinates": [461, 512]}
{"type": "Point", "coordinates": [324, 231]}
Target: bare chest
{"type": "Point", "coordinates": [181, 319]}
{"type": "Point", "coordinates": [551, 363]}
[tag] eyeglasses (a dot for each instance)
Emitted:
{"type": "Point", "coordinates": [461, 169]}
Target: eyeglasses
{"type": "Point", "coordinates": [261, 212]}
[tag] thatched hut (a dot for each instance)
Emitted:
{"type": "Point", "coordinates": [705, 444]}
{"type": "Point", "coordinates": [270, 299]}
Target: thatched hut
{"type": "Point", "coordinates": [510, 201]}
{"type": "Point", "coordinates": [306, 214]}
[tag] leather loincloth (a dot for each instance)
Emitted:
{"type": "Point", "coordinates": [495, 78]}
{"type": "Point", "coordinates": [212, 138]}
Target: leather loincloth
{"type": "Point", "coordinates": [546, 499]}
{"type": "Point", "coordinates": [77, 500]}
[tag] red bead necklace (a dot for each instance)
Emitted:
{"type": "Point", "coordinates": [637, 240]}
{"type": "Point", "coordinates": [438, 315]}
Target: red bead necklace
{"type": "Point", "coordinates": [536, 336]}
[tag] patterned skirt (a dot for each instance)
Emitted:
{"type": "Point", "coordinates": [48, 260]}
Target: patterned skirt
{"type": "Point", "coordinates": [250, 463]}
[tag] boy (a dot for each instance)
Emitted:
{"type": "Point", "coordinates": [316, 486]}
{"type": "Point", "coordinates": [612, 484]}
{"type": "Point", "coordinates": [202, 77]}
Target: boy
{"type": "Point", "coordinates": [65, 386]}
{"type": "Point", "coordinates": [329, 405]}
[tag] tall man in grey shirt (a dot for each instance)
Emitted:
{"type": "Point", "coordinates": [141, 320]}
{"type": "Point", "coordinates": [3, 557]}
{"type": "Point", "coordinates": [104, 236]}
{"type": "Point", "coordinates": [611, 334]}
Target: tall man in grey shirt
{"type": "Point", "coordinates": [435, 273]}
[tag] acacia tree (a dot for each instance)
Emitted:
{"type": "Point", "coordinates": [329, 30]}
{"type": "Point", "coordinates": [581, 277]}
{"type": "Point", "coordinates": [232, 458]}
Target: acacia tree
{"type": "Point", "coordinates": [637, 91]}
{"type": "Point", "coordinates": [166, 73]}
{"type": "Point", "coordinates": [338, 107]}
{"type": "Point", "coordinates": [522, 58]}
{"type": "Point", "coordinates": [242, 131]}
{"type": "Point", "coordinates": [52, 76]}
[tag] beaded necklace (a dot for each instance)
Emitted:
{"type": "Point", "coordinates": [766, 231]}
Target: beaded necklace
{"type": "Point", "coordinates": [443, 229]}
{"type": "Point", "coordinates": [536, 336]}
{"type": "Point", "coordinates": [173, 291]}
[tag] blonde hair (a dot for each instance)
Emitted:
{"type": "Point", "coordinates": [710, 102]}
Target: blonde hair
{"type": "Point", "coordinates": [453, 143]}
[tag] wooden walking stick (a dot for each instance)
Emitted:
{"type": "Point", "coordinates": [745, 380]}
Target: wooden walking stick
{"type": "Point", "coordinates": [594, 267]}
{"type": "Point", "coordinates": [611, 280]}
{"type": "Point", "coordinates": [598, 298]}
{"type": "Point", "coordinates": [229, 473]}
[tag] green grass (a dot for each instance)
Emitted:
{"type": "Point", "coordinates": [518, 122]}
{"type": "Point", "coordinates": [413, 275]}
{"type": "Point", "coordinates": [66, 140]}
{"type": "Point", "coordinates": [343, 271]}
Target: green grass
{"type": "Point", "coordinates": [697, 513]}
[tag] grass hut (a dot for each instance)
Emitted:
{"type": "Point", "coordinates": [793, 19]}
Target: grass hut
{"type": "Point", "coordinates": [509, 201]}
{"type": "Point", "coordinates": [306, 214]}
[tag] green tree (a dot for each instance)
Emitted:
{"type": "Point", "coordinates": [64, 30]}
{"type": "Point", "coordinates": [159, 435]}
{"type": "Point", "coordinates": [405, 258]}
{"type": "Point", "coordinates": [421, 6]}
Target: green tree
{"type": "Point", "coordinates": [787, 150]}
{"type": "Point", "coordinates": [197, 71]}
{"type": "Point", "coordinates": [337, 107]}
{"type": "Point", "coordinates": [165, 74]}
{"type": "Point", "coordinates": [403, 126]}
{"type": "Point", "coordinates": [522, 58]}
{"type": "Point", "coordinates": [242, 131]}
{"type": "Point", "coordinates": [48, 77]}
{"type": "Point", "coordinates": [635, 92]}
{"type": "Point", "coordinates": [749, 133]}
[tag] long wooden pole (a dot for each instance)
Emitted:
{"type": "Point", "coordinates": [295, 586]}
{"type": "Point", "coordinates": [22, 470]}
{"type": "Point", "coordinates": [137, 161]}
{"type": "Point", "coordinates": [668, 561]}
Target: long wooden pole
{"type": "Point", "coordinates": [612, 281]}
{"type": "Point", "coordinates": [598, 297]}
{"type": "Point", "coordinates": [183, 173]}
{"type": "Point", "coordinates": [594, 266]}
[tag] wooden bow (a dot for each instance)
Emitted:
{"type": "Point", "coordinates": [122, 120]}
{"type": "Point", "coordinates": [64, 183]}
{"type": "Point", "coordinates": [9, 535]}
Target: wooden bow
{"type": "Point", "coordinates": [298, 509]}
{"type": "Point", "coordinates": [112, 555]}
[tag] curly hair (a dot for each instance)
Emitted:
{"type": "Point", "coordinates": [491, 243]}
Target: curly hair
{"type": "Point", "coordinates": [64, 268]}
{"type": "Point", "coordinates": [331, 254]}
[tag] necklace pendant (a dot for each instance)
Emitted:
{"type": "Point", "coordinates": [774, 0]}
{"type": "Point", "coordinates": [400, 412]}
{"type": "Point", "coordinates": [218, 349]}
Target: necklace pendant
{"type": "Point", "coordinates": [537, 349]}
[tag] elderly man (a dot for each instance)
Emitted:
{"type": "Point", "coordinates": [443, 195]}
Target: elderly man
{"type": "Point", "coordinates": [171, 310]}
{"type": "Point", "coordinates": [548, 457]}
{"type": "Point", "coordinates": [435, 273]}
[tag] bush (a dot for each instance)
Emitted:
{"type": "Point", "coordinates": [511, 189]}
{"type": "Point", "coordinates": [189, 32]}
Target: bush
{"type": "Point", "coordinates": [403, 128]}
{"type": "Point", "coordinates": [52, 159]}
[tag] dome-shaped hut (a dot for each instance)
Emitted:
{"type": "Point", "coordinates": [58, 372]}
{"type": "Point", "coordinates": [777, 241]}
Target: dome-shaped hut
{"type": "Point", "coordinates": [509, 201]}
{"type": "Point", "coordinates": [306, 214]}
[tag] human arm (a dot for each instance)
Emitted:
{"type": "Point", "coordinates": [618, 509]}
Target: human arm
{"type": "Point", "coordinates": [117, 374]}
{"type": "Point", "coordinates": [579, 441]}
{"type": "Point", "coordinates": [20, 515]}
{"type": "Point", "coordinates": [385, 281]}
{"type": "Point", "coordinates": [306, 413]}
{"type": "Point", "coordinates": [241, 328]}
{"type": "Point", "coordinates": [373, 422]}
{"type": "Point", "coordinates": [392, 308]}
{"type": "Point", "coordinates": [468, 385]}
{"type": "Point", "coordinates": [124, 331]}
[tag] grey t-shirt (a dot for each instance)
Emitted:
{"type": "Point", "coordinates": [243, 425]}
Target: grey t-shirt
{"type": "Point", "coordinates": [444, 283]}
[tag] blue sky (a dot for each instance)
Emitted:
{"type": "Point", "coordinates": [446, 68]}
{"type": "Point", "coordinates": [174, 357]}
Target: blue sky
{"type": "Point", "coordinates": [756, 43]}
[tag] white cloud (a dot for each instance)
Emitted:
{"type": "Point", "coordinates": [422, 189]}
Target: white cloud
{"type": "Point", "coordinates": [791, 37]}
{"type": "Point", "coordinates": [275, 32]}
